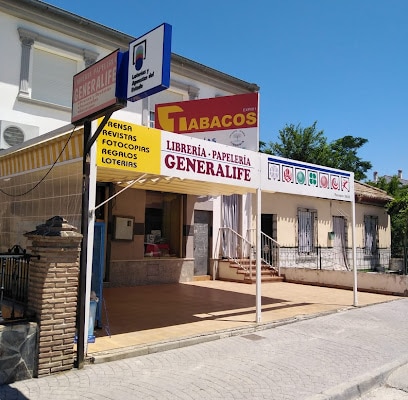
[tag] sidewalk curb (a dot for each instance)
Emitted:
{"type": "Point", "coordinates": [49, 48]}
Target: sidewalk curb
{"type": "Point", "coordinates": [361, 384]}
{"type": "Point", "coordinates": [145, 349]}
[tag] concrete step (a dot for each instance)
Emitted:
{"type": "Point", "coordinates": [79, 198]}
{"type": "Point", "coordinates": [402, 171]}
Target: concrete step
{"type": "Point", "coordinates": [243, 274]}
{"type": "Point", "coordinates": [264, 279]}
{"type": "Point", "coordinates": [264, 271]}
{"type": "Point", "coordinates": [238, 271]}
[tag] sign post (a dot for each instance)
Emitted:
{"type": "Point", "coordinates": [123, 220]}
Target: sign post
{"type": "Point", "coordinates": [96, 91]}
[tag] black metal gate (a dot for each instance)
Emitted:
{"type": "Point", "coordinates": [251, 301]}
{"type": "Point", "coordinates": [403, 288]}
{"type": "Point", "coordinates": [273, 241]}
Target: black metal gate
{"type": "Point", "coordinates": [14, 265]}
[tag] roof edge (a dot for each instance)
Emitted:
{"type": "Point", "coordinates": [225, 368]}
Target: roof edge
{"type": "Point", "coordinates": [55, 18]}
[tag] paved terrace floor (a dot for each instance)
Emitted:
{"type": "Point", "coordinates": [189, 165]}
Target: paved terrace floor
{"type": "Point", "coordinates": [144, 316]}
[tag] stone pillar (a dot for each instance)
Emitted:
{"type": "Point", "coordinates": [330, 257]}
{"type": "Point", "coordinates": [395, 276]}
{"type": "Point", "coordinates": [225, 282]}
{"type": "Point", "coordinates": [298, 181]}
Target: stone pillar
{"type": "Point", "coordinates": [27, 40]}
{"type": "Point", "coordinates": [52, 292]}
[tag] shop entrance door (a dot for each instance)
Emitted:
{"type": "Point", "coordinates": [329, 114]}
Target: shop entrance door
{"type": "Point", "coordinates": [202, 224]}
{"type": "Point", "coordinates": [267, 224]}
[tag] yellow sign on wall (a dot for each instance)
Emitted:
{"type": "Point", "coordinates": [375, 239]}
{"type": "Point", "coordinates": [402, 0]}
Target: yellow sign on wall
{"type": "Point", "coordinates": [130, 147]}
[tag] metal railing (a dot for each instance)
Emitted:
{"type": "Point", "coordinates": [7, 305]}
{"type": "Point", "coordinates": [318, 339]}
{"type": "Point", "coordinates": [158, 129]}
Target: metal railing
{"type": "Point", "coordinates": [14, 266]}
{"type": "Point", "coordinates": [232, 246]}
{"type": "Point", "coordinates": [330, 258]}
{"type": "Point", "coordinates": [270, 252]}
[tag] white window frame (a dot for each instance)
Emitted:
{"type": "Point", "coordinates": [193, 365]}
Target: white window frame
{"type": "Point", "coordinates": [152, 118]}
{"type": "Point", "coordinates": [30, 39]}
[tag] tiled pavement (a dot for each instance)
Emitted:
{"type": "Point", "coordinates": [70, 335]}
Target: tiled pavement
{"type": "Point", "coordinates": [333, 356]}
{"type": "Point", "coordinates": [144, 315]}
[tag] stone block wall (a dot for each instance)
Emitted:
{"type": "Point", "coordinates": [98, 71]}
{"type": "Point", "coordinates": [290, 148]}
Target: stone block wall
{"type": "Point", "coordinates": [151, 271]}
{"type": "Point", "coordinates": [373, 282]}
{"type": "Point", "coordinates": [18, 345]}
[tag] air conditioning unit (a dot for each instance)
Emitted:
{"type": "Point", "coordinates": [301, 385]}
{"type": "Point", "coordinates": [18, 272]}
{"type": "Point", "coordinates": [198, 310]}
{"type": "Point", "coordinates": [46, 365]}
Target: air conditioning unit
{"type": "Point", "coordinates": [14, 133]}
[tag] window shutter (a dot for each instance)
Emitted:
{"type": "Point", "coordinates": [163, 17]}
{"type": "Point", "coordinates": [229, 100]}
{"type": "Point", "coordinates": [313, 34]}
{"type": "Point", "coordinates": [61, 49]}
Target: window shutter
{"type": "Point", "coordinates": [52, 78]}
{"type": "Point", "coordinates": [370, 227]}
{"type": "Point", "coordinates": [307, 231]}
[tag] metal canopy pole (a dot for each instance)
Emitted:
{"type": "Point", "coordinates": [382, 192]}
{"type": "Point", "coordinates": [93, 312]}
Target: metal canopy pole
{"type": "Point", "coordinates": [82, 284]}
{"type": "Point", "coordinates": [353, 235]}
{"type": "Point", "coordinates": [84, 248]}
{"type": "Point", "coordinates": [258, 257]}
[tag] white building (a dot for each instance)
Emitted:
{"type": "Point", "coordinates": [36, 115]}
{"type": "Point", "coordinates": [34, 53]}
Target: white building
{"type": "Point", "coordinates": [152, 228]}
{"type": "Point", "coordinates": [46, 46]}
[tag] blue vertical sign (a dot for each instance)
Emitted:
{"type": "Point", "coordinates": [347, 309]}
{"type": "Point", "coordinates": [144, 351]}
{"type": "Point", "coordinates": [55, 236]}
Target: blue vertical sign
{"type": "Point", "coordinates": [149, 63]}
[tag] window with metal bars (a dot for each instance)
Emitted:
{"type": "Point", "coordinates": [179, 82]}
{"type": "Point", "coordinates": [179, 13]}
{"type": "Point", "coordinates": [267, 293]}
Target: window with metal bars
{"type": "Point", "coordinates": [307, 231]}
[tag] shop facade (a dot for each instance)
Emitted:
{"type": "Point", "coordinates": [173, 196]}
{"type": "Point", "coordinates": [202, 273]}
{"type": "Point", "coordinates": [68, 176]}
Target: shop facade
{"type": "Point", "coordinates": [163, 226]}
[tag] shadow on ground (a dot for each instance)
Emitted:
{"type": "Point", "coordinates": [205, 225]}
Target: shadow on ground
{"type": "Point", "coordinates": [138, 308]}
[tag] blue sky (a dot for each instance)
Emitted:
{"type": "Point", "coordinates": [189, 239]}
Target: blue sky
{"type": "Point", "coordinates": [342, 63]}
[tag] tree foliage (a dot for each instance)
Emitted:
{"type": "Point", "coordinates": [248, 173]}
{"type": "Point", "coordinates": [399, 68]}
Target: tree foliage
{"type": "Point", "coordinates": [310, 145]}
{"type": "Point", "coordinates": [302, 144]}
{"type": "Point", "coordinates": [344, 156]}
{"type": "Point", "coordinates": [398, 211]}
{"type": "Point", "coordinates": [392, 186]}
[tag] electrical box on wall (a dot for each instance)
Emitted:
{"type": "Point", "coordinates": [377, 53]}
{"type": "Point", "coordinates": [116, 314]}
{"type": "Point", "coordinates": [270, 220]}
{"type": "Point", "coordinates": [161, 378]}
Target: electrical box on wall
{"type": "Point", "coordinates": [123, 228]}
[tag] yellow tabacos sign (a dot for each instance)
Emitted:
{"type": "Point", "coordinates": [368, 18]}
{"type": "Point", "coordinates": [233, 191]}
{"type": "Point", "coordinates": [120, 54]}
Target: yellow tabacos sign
{"type": "Point", "coordinates": [130, 147]}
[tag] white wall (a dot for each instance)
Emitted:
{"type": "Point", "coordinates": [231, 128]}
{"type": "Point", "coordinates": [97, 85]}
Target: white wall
{"type": "Point", "coordinates": [11, 107]}
{"type": "Point", "coordinates": [371, 282]}
{"type": "Point", "coordinates": [49, 118]}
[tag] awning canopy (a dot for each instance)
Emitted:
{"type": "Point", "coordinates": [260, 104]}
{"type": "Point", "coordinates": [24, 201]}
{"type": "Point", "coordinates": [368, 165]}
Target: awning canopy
{"type": "Point", "coordinates": [168, 184]}
{"type": "Point", "coordinates": [55, 148]}
{"type": "Point", "coordinates": [63, 150]}
{"type": "Point", "coordinates": [162, 161]}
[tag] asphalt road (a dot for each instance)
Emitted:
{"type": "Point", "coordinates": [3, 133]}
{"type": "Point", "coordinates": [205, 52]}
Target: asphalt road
{"type": "Point", "coordinates": [394, 388]}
